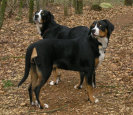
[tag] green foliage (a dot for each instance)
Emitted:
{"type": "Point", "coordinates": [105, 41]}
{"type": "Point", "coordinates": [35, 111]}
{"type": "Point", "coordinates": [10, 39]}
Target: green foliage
{"type": "Point", "coordinates": [106, 5]}
{"type": "Point", "coordinates": [7, 83]}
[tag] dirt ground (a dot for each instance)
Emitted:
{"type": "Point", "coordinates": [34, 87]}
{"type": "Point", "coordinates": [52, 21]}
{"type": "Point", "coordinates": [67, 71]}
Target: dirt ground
{"type": "Point", "coordinates": [114, 76]}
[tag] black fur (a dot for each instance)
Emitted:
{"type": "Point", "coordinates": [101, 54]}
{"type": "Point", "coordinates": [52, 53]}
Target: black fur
{"type": "Point", "coordinates": [75, 54]}
{"type": "Point", "coordinates": [50, 29]}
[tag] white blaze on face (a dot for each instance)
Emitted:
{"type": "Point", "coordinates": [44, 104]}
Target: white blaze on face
{"type": "Point", "coordinates": [96, 30]}
{"type": "Point", "coordinates": [38, 21]}
{"type": "Point", "coordinates": [39, 18]}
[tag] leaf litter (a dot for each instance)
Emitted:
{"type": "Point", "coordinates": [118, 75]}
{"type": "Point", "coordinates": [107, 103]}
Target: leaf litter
{"type": "Point", "coordinates": [114, 77]}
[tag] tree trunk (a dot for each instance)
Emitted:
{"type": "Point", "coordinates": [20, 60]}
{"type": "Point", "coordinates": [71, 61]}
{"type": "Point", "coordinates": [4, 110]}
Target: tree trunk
{"type": "Point", "coordinates": [65, 8]}
{"type": "Point", "coordinates": [38, 5]}
{"type": "Point", "coordinates": [44, 3]}
{"type": "Point", "coordinates": [78, 4]}
{"type": "Point", "coordinates": [2, 11]}
{"type": "Point", "coordinates": [128, 2]}
{"type": "Point", "coordinates": [31, 9]}
{"type": "Point", "coordinates": [20, 9]}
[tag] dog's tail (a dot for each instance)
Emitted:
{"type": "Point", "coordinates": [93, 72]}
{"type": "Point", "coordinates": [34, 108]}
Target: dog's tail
{"type": "Point", "coordinates": [27, 64]}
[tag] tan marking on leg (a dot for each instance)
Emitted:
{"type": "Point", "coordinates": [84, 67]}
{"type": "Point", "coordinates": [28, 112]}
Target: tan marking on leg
{"type": "Point", "coordinates": [33, 81]}
{"type": "Point", "coordinates": [96, 62]}
{"type": "Point", "coordinates": [39, 74]}
{"type": "Point", "coordinates": [89, 89]}
{"type": "Point", "coordinates": [56, 75]}
{"type": "Point", "coordinates": [34, 53]}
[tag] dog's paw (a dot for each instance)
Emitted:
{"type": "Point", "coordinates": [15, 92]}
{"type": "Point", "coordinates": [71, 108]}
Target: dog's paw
{"type": "Point", "coordinates": [78, 86]}
{"type": "Point", "coordinates": [34, 103]}
{"type": "Point", "coordinates": [95, 99]}
{"type": "Point", "coordinates": [52, 83]}
{"type": "Point", "coordinates": [57, 80]}
{"type": "Point", "coordinates": [46, 105]}
{"type": "Point", "coordinates": [93, 85]}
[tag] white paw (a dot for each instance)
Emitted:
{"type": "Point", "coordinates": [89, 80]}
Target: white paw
{"type": "Point", "coordinates": [75, 87]}
{"type": "Point", "coordinates": [32, 103]}
{"type": "Point", "coordinates": [52, 83]}
{"type": "Point", "coordinates": [96, 100]}
{"type": "Point", "coordinates": [57, 80]}
{"type": "Point", "coordinates": [36, 103]}
{"type": "Point", "coordinates": [93, 85]}
{"type": "Point", "coordinates": [78, 87]}
{"type": "Point", "coordinates": [46, 105]}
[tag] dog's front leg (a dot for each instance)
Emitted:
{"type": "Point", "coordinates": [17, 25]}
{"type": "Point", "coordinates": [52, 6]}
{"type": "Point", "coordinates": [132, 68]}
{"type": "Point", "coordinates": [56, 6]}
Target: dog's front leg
{"type": "Point", "coordinates": [89, 88]}
{"type": "Point", "coordinates": [56, 76]}
{"type": "Point", "coordinates": [79, 86]}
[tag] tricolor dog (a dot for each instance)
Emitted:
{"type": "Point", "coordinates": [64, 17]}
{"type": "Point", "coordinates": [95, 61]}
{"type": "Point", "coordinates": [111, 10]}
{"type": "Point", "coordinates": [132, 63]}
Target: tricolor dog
{"type": "Point", "coordinates": [80, 54]}
{"type": "Point", "coordinates": [49, 29]}
{"type": "Point", "coordinates": [100, 30]}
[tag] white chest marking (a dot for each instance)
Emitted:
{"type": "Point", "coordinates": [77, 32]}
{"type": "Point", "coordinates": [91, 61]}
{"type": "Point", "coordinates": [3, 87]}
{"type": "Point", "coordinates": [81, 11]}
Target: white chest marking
{"type": "Point", "coordinates": [102, 55]}
{"type": "Point", "coordinates": [104, 42]}
{"type": "Point", "coordinates": [39, 27]}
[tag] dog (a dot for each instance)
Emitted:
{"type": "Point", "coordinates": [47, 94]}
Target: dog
{"type": "Point", "coordinates": [48, 28]}
{"type": "Point", "coordinates": [100, 30]}
{"type": "Point", "coordinates": [78, 54]}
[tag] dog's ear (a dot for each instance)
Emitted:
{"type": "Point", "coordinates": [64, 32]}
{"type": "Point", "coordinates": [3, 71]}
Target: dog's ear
{"type": "Point", "coordinates": [49, 16]}
{"type": "Point", "coordinates": [110, 26]}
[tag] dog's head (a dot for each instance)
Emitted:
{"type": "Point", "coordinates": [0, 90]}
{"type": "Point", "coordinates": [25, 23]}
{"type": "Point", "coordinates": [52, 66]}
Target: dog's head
{"type": "Point", "coordinates": [43, 16]}
{"type": "Point", "coordinates": [101, 29]}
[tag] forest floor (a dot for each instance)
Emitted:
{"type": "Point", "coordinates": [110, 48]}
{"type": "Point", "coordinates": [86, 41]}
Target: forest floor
{"type": "Point", "coordinates": [114, 76]}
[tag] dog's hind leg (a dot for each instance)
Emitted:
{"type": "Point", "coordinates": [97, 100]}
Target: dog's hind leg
{"type": "Point", "coordinates": [43, 76]}
{"type": "Point", "coordinates": [94, 80]}
{"type": "Point", "coordinates": [56, 76]}
{"type": "Point", "coordinates": [33, 84]}
{"type": "Point", "coordinates": [79, 86]}
{"type": "Point", "coordinates": [89, 87]}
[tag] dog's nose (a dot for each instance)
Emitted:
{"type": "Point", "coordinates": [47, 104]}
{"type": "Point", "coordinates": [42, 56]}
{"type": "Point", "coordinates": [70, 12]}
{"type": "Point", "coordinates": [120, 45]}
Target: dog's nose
{"type": "Point", "coordinates": [36, 16]}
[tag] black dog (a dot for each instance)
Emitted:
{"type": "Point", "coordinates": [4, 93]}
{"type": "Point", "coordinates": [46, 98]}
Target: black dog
{"type": "Point", "coordinates": [81, 55]}
{"type": "Point", "coordinates": [75, 54]}
{"type": "Point", "coordinates": [100, 30]}
{"type": "Point", "coordinates": [48, 28]}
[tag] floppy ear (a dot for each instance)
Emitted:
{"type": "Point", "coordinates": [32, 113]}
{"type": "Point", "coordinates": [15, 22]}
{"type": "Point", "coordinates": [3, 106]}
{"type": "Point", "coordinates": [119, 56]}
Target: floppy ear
{"type": "Point", "coordinates": [49, 16]}
{"type": "Point", "coordinates": [110, 27]}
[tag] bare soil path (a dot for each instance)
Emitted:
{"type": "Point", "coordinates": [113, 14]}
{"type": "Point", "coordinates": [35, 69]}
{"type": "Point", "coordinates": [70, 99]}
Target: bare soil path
{"type": "Point", "coordinates": [114, 77]}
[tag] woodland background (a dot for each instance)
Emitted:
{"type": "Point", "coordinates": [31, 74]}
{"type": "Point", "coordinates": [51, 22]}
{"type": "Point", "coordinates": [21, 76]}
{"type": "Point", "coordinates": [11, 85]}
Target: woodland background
{"type": "Point", "coordinates": [114, 76]}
